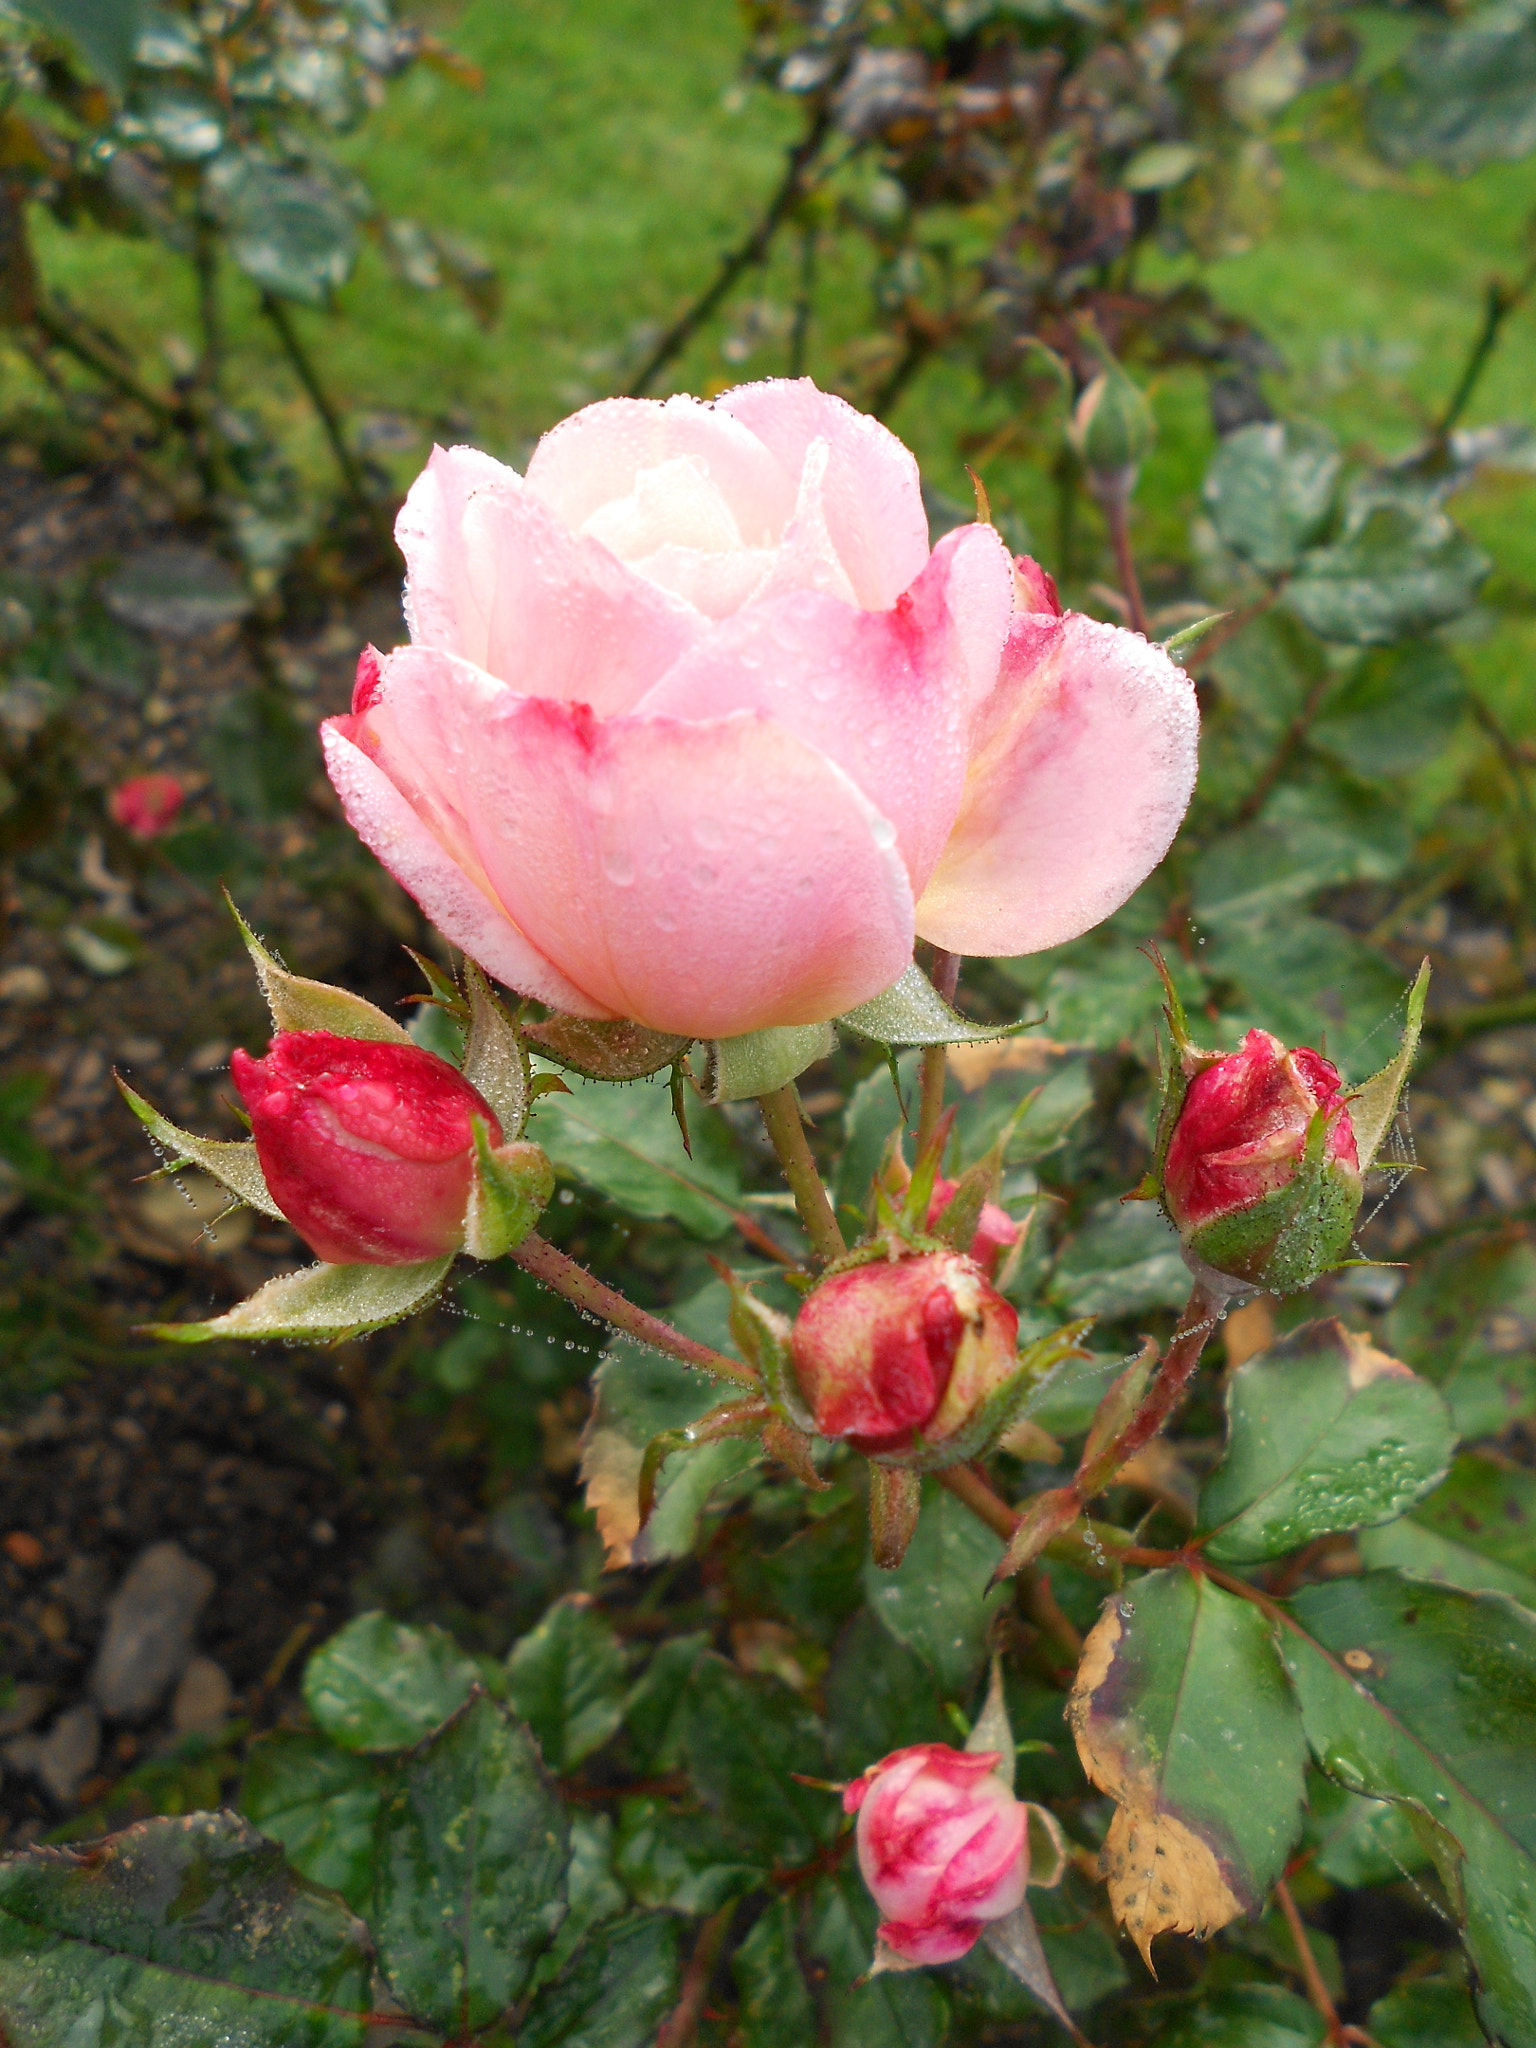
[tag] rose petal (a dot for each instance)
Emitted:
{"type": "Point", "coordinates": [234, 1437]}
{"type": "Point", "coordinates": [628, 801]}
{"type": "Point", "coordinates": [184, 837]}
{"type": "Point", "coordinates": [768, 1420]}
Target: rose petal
{"type": "Point", "coordinates": [872, 493]}
{"type": "Point", "coordinates": [886, 695]}
{"type": "Point", "coordinates": [1083, 764]}
{"type": "Point", "coordinates": [442, 608]}
{"type": "Point", "coordinates": [464, 912]}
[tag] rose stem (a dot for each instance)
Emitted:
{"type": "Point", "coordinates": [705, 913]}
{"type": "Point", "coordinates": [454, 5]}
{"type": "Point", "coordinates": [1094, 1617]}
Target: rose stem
{"type": "Point", "coordinates": [536, 1255]}
{"type": "Point", "coordinates": [782, 1121]}
{"type": "Point", "coordinates": [1117, 513]}
{"type": "Point", "coordinates": [1317, 1990]}
{"type": "Point", "coordinates": [944, 973]}
{"type": "Point", "coordinates": [682, 2023]}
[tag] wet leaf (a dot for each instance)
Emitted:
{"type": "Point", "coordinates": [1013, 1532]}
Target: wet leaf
{"type": "Point", "coordinates": [288, 230]}
{"type": "Point", "coordinates": [1125, 1259]}
{"type": "Point", "coordinates": [299, 1004]}
{"type": "Point", "coordinates": [472, 1849]}
{"type": "Point", "coordinates": [937, 1602]}
{"type": "Point", "coordinates": [320, 1804]}
{"type": "Point", "coordinates": [678, 1861]}
{"type": "Point", "coordinates": [625, 1143]}
{"type": "Point", "coordinates": [1467, 1321]}
{"type": "Point", "coordinates": [1182, 1714]}
{"type": "Point", "coordinates": [1427, 1695]}
{"type": "Point", "coordinates": [182, 591]}
{"type": "Point", "coordinates": [1397, 712]}
{"type": "Point", "coordinates": [606, 1051]}
{"type": "Point", "coordinates": [378, 1685]}
{"type": "Point", "coordinates": [907, 2010]}
{"type": "Point", "coordinates": [566, 1679]}
{"type": "Point", "coordinates": [614, 1992]}
{"type": "Point", "coordinates": [1478, 1531]}
{"type": "Point", "coordinates": [183, 1930]}
{"type": "Point", "coordinates": [1324, 1433]}
{"type": "Point", "coordinates": [912, 1012]}
{"type": "Point", "coordinates": [104, 32]}
{"type": "Point", "coordinates": [231, 1161]}
{"type": "Point", "coordinates": [1396, 576]}
{"type": "Point", "coordinates": [1270, 490]}
{"type": "Point", "coordinates": [742, 1741]}
{"type": "Point", "coordinates": [880, 1696]}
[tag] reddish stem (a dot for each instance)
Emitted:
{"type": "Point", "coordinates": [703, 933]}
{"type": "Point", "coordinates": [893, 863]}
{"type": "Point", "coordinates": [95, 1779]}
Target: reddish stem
{"type": "Point", "coordinates": [1312, 1976]}
{"type": "Point", "coordinates": [681, 2024]}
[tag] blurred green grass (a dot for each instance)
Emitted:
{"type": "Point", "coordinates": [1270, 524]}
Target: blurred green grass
{"type": "Point", "coordinates": [612, 155]}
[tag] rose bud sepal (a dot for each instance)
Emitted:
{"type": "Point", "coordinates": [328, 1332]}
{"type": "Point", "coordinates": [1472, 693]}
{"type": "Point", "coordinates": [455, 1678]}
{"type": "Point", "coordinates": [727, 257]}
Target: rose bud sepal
{"type": "Point", "coordinates": [299, 1004]}
{"type": "Point", "coordinates": [320, 1305]}
{"type": "Point", "coordinates": [512, 1188]}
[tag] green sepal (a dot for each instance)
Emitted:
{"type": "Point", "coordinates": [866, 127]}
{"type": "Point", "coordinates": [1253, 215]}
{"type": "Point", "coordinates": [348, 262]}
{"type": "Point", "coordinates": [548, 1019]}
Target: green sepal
{"type": "Point", "coordinates": [1178, 1065]}
{"type": "Point", "coordinates": [912, 1012]}
{"type": "Point", "coordinates": [759, 1062]}
{"type": "Point", "coordinates": [992, 1418]}
{"type": "Point", "coordinates": [917, 1199]}
{"type": "Point", "coordinates": [1191, 636]}
{"type": "Point", "coordinates": [445, 991]}
{"type": "Point", "coordinates": [1286, 1239]}
{"type": "Point", "coordinates": [606, 1050]}
{"type": "Point", "coordinates": [322, 1304]}
{"type": "Point", "coordinates": [895, 1497]}
{"type": "Point", "coordinates": [231, 1161]}
{"type": "Point", "coordinates": [298, 1004]}
{"type": "Point", "coordinates": [495, 1058]}
{"type": "Point", "coordinates": [793, 1449]}
{"type": "Point", "coordinates": [1373, 1105]}
{"type": "Point", "coordinates": [763, 1337]}
{"type": "Point", "coordinates": [513, 1187]}
{"type": "Point", "coordinates": [957, 1222]}
{"type": "Point", "coordinates": [731, 1418]}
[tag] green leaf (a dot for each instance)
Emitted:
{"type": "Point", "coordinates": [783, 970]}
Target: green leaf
{"type": "Point", "coordinates": [815, 1580]}
{"type": "Point", "coordinates": [103, 31]}
{"type": "Point", "coordinates": [737, 1069]}
{"type": "Point", "coordinates": [1241, 2016]}
{"type": "Point", "coordinates": [325, 1303]}
{"type": "Point", "coordinates": [1427, 2013]}
{"type": "Point", "coordinates": [1478, 1531]}
{"type": "Point", "coordinates": [1394, 577]}
{"type": "Point", "coordinates": [776, 2006]}
{"type": "Point", "coordinates": [880, 1696]}
{"type": "Point", "coordinates": [1427, 1695]}
{"type": "Point", "coordinates": [1396, 713]}
{"type": "Point", "coordinates": [299, 1004]}
{"type": "Point", "coordinates": [1125, 1259]}
{"type": "Point", "coordinates": [1467, 1320]}
{"type": "Point", "coordinates": [1460, 97]}
{"type": "Point", "coordinates": [625, 1143]}
{"type": "Point", "coordinates": [472, 1848]}
{"type": "Point", "coordinates": [614, 1993]}
{"type": "Point", "coordinates": [320, 1804]}
{"type": "Point", "coordinates": [1305, 979]}
{"type": "Point", "coordinates": [1324, 1433]}
{"type": "Point", "coordinates": [593, 1892]}
{"type": "Point", "coordinates": [1316, 833]}
{"type": "Point", "coordinates": [939, 1601]}
{"type": "Point", "coordinates": [679, 1862]}
{"type": "Point", "coordinates": [1182, 1714]}
{"type": "Point", "coordinates": [566, 1679]}
{"type": "Point", "coordinates": [289, 231]}
{"type": "Point", "coordinates": [653, 1715]}
{"type": "Point", "coordinates": [176, 1931]}
{"type": "Point", "coordinates": [378, 1685]}
{"type": "Point", "coordinates": [743, 1739]}
{"type": "Point", "coordinates": [1270, 489]}
{"type": "Point", "coordinates": [231, 1161]}
{"type": "Point", "coordinates": [1361, 1841]}
{"type": "Point", "coordinates": [912, 1012]}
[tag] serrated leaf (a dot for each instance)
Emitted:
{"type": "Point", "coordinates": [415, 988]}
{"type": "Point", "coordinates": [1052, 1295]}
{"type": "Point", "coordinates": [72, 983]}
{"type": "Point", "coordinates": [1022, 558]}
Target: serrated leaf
{"type": "Point", "coordinates": [1373, 1105]}
{"type": "Point", "coordinates": [912, 1012]}
{"type": "Point", "coordinates": [378, 1685]}
{"type": "Point", "coordinates": [1461, 97]}
{"type": "Point", "coordinates": [625, 1143]}
{"type": "Point", "coordinates": [185, 1930]}
{"type": "Point", "coordinates": [232, 1162]}
{"type": "Point", "coordinates": [1303, 978]}
{"type": "Point", "coordinates": [743, 1740]}
{"type": "Point", "coordinates": [472, 1849]}
{"type": "Point", "coordinates": [615, 1991]}
{"type": "Point", "coordinates": [1182, 1714]}
{"type": "Point", "coordinates": [776, 2006]}
{"type": "Point", "coordinates": [593, 1892]}
{"type": "Point", "coordinates": [1270, 489]}
{"type": "Point", "coordinates": [299, 1004]}
{"type": "Point", "coordinates": [320, 1804]}
{"type": "Point", "coordinates": [566, 1679]}
{"type": "Point", "coordinates": [1397, 575]}
{"type": "Point", "coordinates": [1427, 1695]}
{"type": "Point", "coordinates": [939, 1602]}
{"type": "Point", "coordinates": [495, 1058]}
{"type": "Point", "coordinates": [1126, 1258]}
{"type": "Point", "coordinates": [1467, 1321]}
{"type": "Point", "coordinates": [1324, 1433]}
{"type": "Point", "coordinates": [321, 1303]}
{"type": "Point", "coordinates": [1478, 1531]}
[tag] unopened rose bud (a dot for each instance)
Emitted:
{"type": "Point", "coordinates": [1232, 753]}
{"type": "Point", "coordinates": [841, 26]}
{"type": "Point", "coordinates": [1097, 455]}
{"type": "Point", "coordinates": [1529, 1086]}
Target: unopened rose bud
{"type": "Point", "coordinates": [996, 1231]}
{"type": "Point", "coordinates": [367, 1146]}
{"type": "Point", "coordinates": [903, 1348]}
{"type": "Point", "coordinates": [146, 805]}
{"type": "Point", "coordinates": [942, 1847]}
{"type": "Point", "coordinates": [1262, 1173]}
{"type": "Point", "coordinates": [1112, 427]}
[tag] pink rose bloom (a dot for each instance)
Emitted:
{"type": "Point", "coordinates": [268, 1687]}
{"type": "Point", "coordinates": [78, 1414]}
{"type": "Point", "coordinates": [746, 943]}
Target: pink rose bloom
{"type": "Point", "coordinates": [366, 1145]}
{"type": "Point", "coordinates": [942, 1847]}
{"type": "Point", "coordinates": [146, 805]}
{"type": "Point", "coordinates": [996, 1231]}
{"type": "Point", "coordinates": [695, 729]}
{"type": "Point", "coordinates": [902, 1345]}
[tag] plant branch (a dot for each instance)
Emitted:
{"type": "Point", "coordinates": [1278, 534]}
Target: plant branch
{"type": "Point", "coordinates": [786, 1131]}
{"type": "Point", "coordinates": [1502, 299]}
{"type": "Point", "coordinates": [1116, 506]}
{"type": "Point", "coordinates": [749, 251]}
{"type": "Point", "coordinates": [944, 972]}
{"type": "Point", "coordinates": [330, 420]}
{"type": "Point", "coordinates": [681, 2024]}
{"type": "Point", "coordinates": [546, 1262]}
{"type": "Point", "coordinates": [1312, 1976]}
{"type": "Point", "coordinates": [61, 329]}
{"type": "Point", "coordinates": [1290, 743]}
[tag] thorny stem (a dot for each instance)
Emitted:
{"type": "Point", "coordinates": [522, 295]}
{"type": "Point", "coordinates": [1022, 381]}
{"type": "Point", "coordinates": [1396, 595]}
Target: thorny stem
{"type": "Point", "coordinates": [282, 322]}
{"type": "Point", "coordinates": [681, 2024]}
{"type": "Point", "coordinates": [751, 250]}
{"type": "Point", "coordinates": [1117, 513]}
{"type": "Point", "coordinates": [536, 1255]}
{"type": "Point", "coordinates": [786, 1132]}
{"type": "Point", "coordinates": [944, 972]}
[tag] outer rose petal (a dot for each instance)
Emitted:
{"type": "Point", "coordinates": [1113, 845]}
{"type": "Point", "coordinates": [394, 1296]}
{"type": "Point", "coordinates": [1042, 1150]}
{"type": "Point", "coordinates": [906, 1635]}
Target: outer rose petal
{"type": "Point", "coordinates": [1083, 764]}
{"type": "Point", "coordinates": [886, 695]}
{"type": "Point", "coordinates": [440, 606]}
{"type": "Point", "coordinates": [872, 493]}
{"type": "Point", "coordinates": [387, 825]}
{"type": "Point", "coordinates": [593, 459]}
{"type": "Point", "coordinates": [935, 1941]}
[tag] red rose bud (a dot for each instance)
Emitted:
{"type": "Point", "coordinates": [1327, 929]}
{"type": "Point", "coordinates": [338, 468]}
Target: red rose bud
{"type": "Point", "coordinates": [942, 1847]}
{"type": "Point", "coordinates": [1262, 1174]}
{"type": "Point", "coordinates": [996, 1231]}
{"type": "Point", "coordinates": [902, 1347]}
{"type": "Point", "coordinates": [366, 1145]}
{"type": "Point", "coordinates": [146, 805]}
